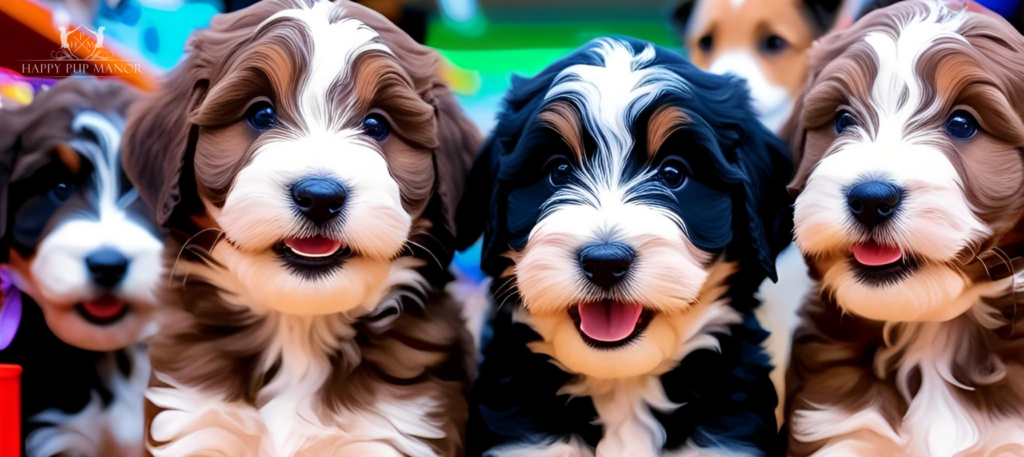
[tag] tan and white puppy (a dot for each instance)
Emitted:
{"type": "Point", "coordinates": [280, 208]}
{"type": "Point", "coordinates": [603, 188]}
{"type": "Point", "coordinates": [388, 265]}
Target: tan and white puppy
{"type": "Point", "coordinates": [909, 142]}
{"type": "Point", "coordinates": [762, 41]}
{"type": "Point", "coordinates": [308, 158]}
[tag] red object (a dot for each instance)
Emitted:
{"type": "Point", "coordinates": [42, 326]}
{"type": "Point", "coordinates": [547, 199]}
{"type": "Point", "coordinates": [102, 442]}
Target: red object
{"type": "Point", "coordinates": [10, 410]}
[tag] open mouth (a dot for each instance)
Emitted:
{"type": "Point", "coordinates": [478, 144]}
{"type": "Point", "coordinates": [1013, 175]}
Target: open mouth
{"type": "Point", "coordinates": [879, 264]}
{"type": "Point", "coordinates": [610, 324]}
{"type": "Point", "coordinates": [106, 310]}
{"type": "Point", "coordinates": [313, 256]}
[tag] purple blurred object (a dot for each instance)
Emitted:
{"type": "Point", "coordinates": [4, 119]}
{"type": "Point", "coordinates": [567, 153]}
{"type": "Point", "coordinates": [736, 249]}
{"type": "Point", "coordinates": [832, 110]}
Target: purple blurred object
{"type": "Point", "coordinates": [10, 311]}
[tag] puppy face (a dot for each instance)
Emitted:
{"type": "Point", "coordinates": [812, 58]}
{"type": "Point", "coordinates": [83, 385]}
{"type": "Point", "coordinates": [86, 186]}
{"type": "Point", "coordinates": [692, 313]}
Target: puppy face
{"type": "Point", "coordinates": [76, 236]}
{"type": "Point", "coordinates": [763, 41]}
{"type": "Point", "coordinates": [309, 136]}
{"type": "Point", "coordinates": [910, 137]}
{"type": "Point", "coordinates": [620, 193]}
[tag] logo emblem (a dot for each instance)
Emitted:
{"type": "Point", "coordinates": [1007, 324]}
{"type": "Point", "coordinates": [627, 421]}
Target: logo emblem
{"type": "Point", "coordinates": [75, 44]}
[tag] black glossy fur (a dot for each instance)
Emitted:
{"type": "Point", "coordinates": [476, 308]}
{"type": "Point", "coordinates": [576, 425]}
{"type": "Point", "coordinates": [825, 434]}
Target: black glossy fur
{"type": "Point", "coordinates": [737, 207]}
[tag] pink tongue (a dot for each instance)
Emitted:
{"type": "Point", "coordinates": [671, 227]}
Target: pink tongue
{"type": "Point", "coordinates": [104, 307]}
{"type": "Point", "coordinates": [873, 254]}
{"type": "Point", "coordinates": [608, 320]}
{"type": "Point", "coordinates": [315, 246]}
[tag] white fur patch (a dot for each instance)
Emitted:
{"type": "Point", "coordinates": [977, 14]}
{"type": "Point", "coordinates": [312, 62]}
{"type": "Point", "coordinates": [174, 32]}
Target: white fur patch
{"type": "Point", "coordinates": [95, 431]}
{"type": "Point", "coordinates": [569, 447]}
{"type": "Point", "coordinates": [291, 421]}
{"type": "Point", "coordinates": [937, 423]}
{"type": "Point", "coordinates": [772, 103]}
{"type": "Point", "coordinates": [613, 95]}
{"type": "Point", "coordinates": [623, 403]}
{"type": "Point", "coordinates": [779, 315]}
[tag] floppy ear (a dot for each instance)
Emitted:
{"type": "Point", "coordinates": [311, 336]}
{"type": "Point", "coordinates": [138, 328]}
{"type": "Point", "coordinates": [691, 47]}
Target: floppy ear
{"type": "Point", "coordinates": [481, 210]}
{"type": "Point", "coordinates": [159, 138]}
{"type": "Point", "coordinates": [680, 15]}
{"type": "Point", "coordinates": [822, 14]}
{"type": "Point", "coordinates": [794, 131]}
{"type": "Point", "coordinates": [766, 164]}
{"type": "Point", "coordinates": [474, 211]}
{"type": "Point", "coordinates": [458, 143]}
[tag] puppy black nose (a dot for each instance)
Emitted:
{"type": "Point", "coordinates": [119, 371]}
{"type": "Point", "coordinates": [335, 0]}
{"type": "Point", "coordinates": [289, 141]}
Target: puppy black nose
{"type": "Point", "coordinates": [319, 199]}
{"type": "Point", "coordinates": [872, 202]}
{"type": "Point", "coordinates": [606, 264]}
{"type": "Point", "coordinates": [107, 267]}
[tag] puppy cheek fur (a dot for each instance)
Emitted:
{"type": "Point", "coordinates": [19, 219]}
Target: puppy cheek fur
{"type": "Point", "coordinates": [266, 284]}
{"type": "Point", "coordinates": [933, 293]}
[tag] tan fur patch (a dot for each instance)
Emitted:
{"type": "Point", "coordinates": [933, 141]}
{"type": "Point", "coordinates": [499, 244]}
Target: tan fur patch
{"type": "Point", "coordinates": [564, 119]}
{"type": "Point", "coordinates": [742, 29]}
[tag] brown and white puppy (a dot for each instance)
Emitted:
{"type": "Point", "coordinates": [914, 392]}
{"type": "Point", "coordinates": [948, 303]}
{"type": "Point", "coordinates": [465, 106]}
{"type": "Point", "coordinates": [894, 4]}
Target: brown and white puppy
{"type": "Point", "coordinates": [308, 158]}
{"type": "Point", "coordinates": [762, 41]}
{"type": "Point", "coordinates": [909, 142]}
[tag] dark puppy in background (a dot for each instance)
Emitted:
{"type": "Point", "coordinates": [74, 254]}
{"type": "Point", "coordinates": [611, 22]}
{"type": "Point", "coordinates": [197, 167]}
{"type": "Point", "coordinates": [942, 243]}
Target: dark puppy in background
{"type": "Point", "coordinates": [764, 42]}
{"type": "Point", "coordinates": [76, 240]}
{"type": "Point", "coordinates": [630, 204]}
{"type": "Point", "coordinates": [308, 158]}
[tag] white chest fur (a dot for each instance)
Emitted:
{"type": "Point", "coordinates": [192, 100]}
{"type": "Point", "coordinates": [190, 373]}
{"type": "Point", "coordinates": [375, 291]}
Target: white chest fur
{"type": "Point", "coordinates": [938, 422]}
{"type": "Point", "coordinates": [624, 405]}
{"type": "Point", "coordinates": [98, 431]}
{"type": "Point", "coordinates": [289, 418]}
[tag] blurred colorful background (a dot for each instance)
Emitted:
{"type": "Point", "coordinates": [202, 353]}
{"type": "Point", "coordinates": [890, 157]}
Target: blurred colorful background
{"type": "Point", "coordinates": [483, 41]}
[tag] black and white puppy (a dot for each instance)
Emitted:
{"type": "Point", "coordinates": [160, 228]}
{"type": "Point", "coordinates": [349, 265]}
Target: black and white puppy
{"type": "Point", "coordinates": [76, 241]}
{"type": "Point", "coordinates": [630, 205]}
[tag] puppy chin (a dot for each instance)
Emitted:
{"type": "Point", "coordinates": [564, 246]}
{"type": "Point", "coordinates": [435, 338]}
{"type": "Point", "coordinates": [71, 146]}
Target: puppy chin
{"type": "Point", "coordinates": [265, 283]}
{"type": "Point", "coordinates": [644, 355]}
{"type": "Point", "coordinates": [932, 293]}
{"type": "Point", "coordinates": [67, 323]}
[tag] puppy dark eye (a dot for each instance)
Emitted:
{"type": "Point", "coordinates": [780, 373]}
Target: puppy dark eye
{"type": "Point", "coordinates": [62, 191]}
{"type": "Point", "coordinates": [672, 173]}
{"type": "Point", "coordinates": [773, 44]}
{"type": "Point", "coordinates": [377, 127]}
{"type": "Point", "coordinates": [844, 120]}
{"type": "Point", "coordinates": [559, 171]}
{"type": "Point", "coordinates": [261, 115]}
{"type": "Point", "coordinates": [705, 43]}
{"type": "Point", "coordinates": [962, 125]}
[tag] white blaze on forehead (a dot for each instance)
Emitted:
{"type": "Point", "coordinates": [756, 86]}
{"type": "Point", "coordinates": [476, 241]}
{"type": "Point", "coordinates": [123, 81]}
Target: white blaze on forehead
{"type": "Point", "coordinates": [736, 4]}
{"type": "Point", "coordinates": [898, 92]}
{"type": "Point", "coordinates": [611, 96]}
{"type": "Point", "coordinates": [335, 47]}
{"type": "Point", "coordinates": [771, 101]}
